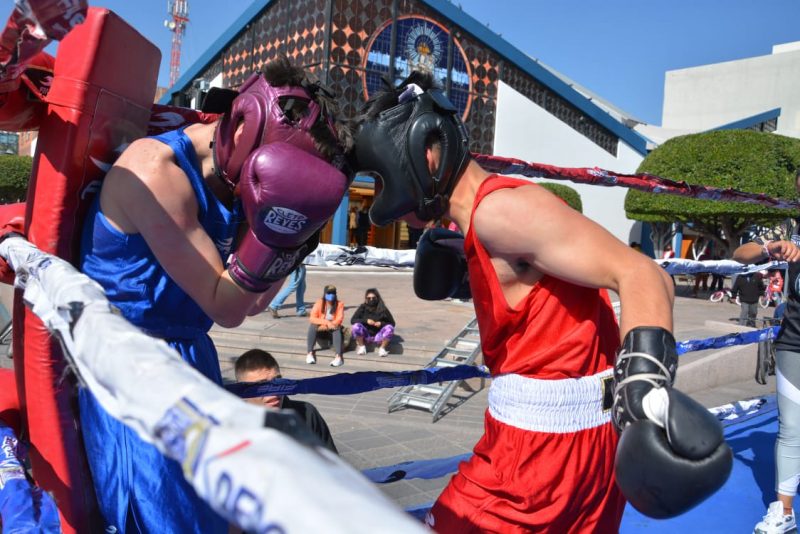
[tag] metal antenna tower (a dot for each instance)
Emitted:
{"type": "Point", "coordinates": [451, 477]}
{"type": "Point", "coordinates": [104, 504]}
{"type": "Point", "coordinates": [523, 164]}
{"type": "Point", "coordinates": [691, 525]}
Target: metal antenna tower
{"type": "Point", "coordinates": [178, 11]}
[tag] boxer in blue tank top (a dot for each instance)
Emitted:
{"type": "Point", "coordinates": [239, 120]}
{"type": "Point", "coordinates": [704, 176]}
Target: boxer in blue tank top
{"type": "Point", "coordinates": [158, 240]}
{"type": "Point", "coordinates": [138, 285]}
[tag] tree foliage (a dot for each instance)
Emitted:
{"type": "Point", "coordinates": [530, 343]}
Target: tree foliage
{"type": "Point", "coordinates": [14, 174]}
{"type": "Point", "coordinates": [749, 161]}
{"type": "Point", "coordinates": [565, 193]}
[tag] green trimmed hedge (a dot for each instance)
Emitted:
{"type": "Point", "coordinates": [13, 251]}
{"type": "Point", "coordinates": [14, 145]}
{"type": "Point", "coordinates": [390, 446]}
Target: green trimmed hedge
{"type": "Point", "coordinates": [749, 161]}
{"type": "Point", "coordinates": [15, 172]}
{"type": "Point", "coordinates": [566, 193]}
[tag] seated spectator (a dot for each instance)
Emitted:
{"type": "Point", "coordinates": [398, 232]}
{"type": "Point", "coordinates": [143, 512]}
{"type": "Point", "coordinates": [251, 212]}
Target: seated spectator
{"type": "Point", "coordinates": [257, 365]}
{"type": "Point", "coordinates": [373, 323]}
{"type": "Point", "coordinates": [326, 324]}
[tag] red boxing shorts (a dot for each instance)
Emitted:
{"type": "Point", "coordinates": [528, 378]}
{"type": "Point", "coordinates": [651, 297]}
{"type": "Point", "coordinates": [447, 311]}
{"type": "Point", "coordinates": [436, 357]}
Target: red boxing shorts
{"type": "Point", "coordinates": [544, 464]}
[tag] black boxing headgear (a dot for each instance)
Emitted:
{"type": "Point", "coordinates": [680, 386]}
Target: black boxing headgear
{"type": "Point", "coordinates": [393, 145]}
{"type": "Point", "coordinates": [262, 109]}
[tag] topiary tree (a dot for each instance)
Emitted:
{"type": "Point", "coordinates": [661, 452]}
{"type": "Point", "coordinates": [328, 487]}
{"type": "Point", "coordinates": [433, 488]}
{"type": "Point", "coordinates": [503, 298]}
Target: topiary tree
{"type": "Point", "coordinates": [15, 172]}
{"type": "Point", "coordinates": [565, 193]}
{"type": "Point", "coordinates": [749, 161]}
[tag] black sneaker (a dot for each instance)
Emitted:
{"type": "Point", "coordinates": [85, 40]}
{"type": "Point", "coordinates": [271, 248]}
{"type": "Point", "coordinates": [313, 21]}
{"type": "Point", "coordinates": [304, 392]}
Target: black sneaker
{"type": "Point", "coordinates": [274, 313]}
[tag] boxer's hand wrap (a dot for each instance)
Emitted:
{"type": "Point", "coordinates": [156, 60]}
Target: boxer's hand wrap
{"type": "Point", "coordinates": [287, 196]}
{"type": "Point", "coordinates": [672, 454]}
{"type": "Point", "coordinates": [440, 267]}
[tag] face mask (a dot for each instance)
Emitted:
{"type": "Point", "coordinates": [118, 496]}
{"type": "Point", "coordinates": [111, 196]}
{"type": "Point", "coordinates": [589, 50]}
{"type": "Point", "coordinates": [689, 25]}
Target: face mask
{"type": "Point", "coordinates": [330, 297]}
{"type": "Point", "coordinates": [372, 302]}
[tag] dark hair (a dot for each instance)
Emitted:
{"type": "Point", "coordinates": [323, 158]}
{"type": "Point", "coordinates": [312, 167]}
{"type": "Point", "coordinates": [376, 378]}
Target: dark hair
{"type": "Point", "coordinates": [280, 72]}
{"type": "Point", "coordinates": [380, 306]}
{"type": "Point", "coordinates": [330, 289]}
{"type": "Point", "coordinates": [255, 360]}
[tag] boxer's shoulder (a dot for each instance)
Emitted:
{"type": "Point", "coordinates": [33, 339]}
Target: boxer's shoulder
{"type": "Point", "coordinates": [147, 156]}
{"type": "Point", "coordinates": [146, 174]}
{"type": "Point", "coordinates": [149, 162]}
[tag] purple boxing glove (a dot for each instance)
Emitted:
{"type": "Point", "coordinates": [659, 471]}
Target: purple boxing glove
{"type": "Point", "coordinates": [287, 195]}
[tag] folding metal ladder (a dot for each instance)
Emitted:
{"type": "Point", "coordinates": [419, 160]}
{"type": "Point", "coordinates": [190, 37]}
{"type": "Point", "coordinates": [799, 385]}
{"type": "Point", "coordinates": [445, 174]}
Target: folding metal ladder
{"type": "Point", "coordinates": [463, 349]}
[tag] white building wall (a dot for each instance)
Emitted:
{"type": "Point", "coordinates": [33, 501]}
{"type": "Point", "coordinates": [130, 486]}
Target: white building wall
{"type": "Point", "coordinates": [702, 98]}
{"type": "Point", "coordinates": [526, 131]}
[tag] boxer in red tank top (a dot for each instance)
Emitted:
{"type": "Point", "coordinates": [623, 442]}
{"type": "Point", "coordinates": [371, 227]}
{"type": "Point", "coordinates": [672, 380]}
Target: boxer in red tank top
{"type": "Point", "coordinates": [563, 385]}
{"type": "Point", "coordinates": [521, 480]}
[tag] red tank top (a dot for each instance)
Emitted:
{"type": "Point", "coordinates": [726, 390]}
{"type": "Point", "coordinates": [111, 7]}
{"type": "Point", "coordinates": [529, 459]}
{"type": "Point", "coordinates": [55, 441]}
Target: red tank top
{"type": "Point", "coordinates": [559, 330]}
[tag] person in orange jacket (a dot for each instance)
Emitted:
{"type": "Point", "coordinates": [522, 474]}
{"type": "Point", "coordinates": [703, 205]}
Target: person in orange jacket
{"type": "Point", "coordinates": [326, 322]}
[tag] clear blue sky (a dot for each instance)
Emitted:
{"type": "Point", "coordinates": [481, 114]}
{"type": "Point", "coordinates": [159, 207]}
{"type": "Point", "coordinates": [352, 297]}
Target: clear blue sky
{"type": "Point", "coordinates": [619, 49]}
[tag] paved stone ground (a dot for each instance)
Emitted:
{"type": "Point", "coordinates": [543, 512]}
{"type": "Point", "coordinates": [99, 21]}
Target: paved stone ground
{"type": "Point", "coordinates": [367, 436]}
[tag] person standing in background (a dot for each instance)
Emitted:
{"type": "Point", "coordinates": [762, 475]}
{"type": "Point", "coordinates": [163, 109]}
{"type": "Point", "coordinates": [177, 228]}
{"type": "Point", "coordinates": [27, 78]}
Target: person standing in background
{"type": "Point", "coordinates": [780, 513]}
{"type": "Point", "coordinates": [296, 285]}
{"type": "Point", "coordinates": [748, 287]}
{"type": "Point", "coordinates": [363, 225]}
{"type": "Point", "coordinates": [352, 225]}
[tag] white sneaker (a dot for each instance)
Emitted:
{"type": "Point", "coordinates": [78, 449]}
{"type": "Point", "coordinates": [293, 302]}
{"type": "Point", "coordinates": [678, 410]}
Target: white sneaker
{"type": "Point", "coordinates": [775, 522]}
{"type": "Point", "coordinates": [382, 352]}
{"type": "Point", "coordinates": [310, 358]}
{"type": "Point", "coordinates": [361, 350]}
{"type": "Point", "coordinates": [337, 362]}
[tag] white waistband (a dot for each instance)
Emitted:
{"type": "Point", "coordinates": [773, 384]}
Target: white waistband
{"type": "Point", "coordinates": [555, 406]}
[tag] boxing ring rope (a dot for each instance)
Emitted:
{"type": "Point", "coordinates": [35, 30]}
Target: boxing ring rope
{"type": "Point", "coordinates": [365, 381]}
{"type": "Point", "coordinates": [239, 458]}
{"type": "Point", "coordinates": [641, 182]}
{"type": "Point", "coordinates": [724, 267]}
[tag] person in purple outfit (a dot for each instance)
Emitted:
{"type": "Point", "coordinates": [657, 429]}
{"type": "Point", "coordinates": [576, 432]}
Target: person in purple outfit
{"type": "Point", "coordinates": [373, 323]}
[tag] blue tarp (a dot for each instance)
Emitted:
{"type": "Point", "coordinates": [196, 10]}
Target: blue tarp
{"type": "Point", "coordinates": [741, 502]}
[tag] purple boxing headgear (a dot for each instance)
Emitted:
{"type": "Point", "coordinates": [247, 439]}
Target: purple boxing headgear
{"type": "Point", "coordinates": [260, 107]}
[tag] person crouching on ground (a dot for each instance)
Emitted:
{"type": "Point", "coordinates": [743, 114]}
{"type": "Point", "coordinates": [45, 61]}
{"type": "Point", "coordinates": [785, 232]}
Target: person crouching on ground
{"type": "Point", "coordinates": [326, 322]}
{"type": "Point", "coordinates": [373, 323]}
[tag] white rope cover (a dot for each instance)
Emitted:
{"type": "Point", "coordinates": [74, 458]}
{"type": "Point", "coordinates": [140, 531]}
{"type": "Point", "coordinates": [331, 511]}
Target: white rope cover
{"type": "Point", "coordinates": [685, 266]}
{"type": "Point", "coordinates": [257, 478]}
{"type": "Point", "coordinates": [328, 255]}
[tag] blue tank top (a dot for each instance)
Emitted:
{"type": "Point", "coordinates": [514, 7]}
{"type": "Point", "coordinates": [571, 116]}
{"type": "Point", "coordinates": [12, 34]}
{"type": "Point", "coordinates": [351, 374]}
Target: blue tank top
{"type": "Point", "coordinates": [133, 279]}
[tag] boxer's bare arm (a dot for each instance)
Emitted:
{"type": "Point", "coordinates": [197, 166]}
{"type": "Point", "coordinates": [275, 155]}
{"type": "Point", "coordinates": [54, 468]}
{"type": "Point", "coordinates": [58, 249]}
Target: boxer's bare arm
{"type": "Point", "coordinates": [778, 250]}
{"type": "Point", "coordinates": [146, 193]}
{"type": "Point", "coordinates": [530, 232]}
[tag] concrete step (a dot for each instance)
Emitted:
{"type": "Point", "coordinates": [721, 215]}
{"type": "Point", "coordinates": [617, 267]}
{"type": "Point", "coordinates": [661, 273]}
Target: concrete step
{"type": "Point", "coordinates": [293, 362]}
{"type": "Point", "coordinates": [238, 343]}
{"type": "Point", "coordinates": [289, 349]}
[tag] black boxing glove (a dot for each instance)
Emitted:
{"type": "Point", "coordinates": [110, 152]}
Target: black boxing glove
{"type": "Point", "coordinates": [440, 267]}
{"type": "Point", "coordinates": [672, 453]}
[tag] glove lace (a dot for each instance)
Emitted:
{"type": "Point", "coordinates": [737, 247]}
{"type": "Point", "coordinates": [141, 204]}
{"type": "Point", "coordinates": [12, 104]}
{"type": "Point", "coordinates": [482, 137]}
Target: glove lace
{"type": "Point", "coordinates": [655, 379]}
